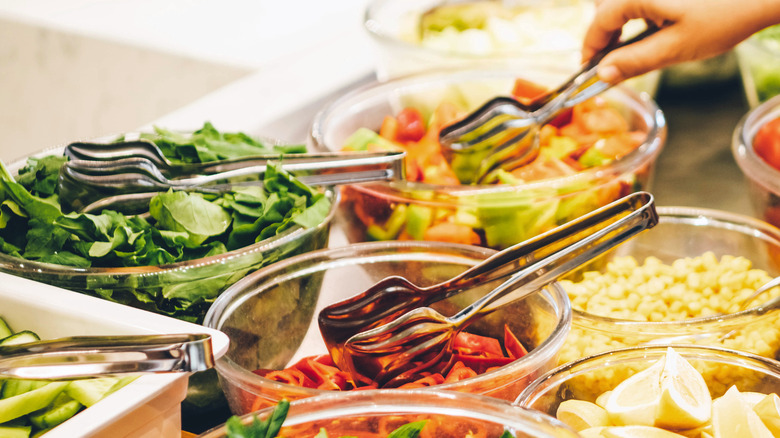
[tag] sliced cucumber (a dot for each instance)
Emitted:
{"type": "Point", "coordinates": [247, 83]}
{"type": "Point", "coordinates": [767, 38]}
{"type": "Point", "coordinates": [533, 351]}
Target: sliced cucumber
{"type": "Point", "coordinates": [20, 338]}
{"type": "Point", "coordinates": [15, 431]}
{"type": "Point", "coordinates": [90, 391]}
{"type": "Point", "coordinates": [63, 407]}
{"type": "Point", "coordinates": [5, 330]}
{"type": "Point", "coordinates": [14, 387]}
{"type": "Point", "coordinates": [31, 401]}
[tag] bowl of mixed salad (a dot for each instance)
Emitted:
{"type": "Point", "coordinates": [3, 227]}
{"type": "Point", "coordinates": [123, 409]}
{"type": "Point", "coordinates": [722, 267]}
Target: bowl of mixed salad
{"type": "Point", "coordinates": [395, 414]}
{"type": "Point", "coordinates": [590, 155]}
{"type": "Point", "coordinates": [756, 149]}
{"type": "Point", "coordinates": [413, 36]}
{"type": "Point", "coordinates": [174, 261]}
{"type": "Point", "coordinates": [277, 350]}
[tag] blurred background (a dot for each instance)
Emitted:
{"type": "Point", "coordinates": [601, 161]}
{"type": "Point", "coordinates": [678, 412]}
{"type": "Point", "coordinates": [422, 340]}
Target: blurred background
{"type": "Point", "coordinates": [77, 69]}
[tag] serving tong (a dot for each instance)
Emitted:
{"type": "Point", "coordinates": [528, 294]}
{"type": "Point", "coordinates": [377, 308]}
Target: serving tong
{"type": "Point", "coordinates": [503, 133]}
{"type": "Point", "coordinates": [389, 345]}
{"type": "Point", "coordinates": [88, 356]}
{"type": "Point", "coordinates": [124, 176]}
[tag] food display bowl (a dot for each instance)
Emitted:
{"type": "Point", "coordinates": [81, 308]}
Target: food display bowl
{"type": "Point", "coordinates": [589, 377]}
{"type": "Point", "coordinates": [271, 316]}
{"type": "Point", "coordinates": [758, 58]}
{"type": "Point", "coordinates": [500, 215]}
{"type": "Point", "coordinates": [682, 281]}
{"type": "Point", "coordinates": [378, 412]}
{"type": "Point", "coordinates": [763, 179]}
{"type": "Point", "coordinates": [413, 36]}
{"type": "Point", "coordinates": [168, 288]}
{"type": "Point", "coordinates": [149, 405]}
{"type": "Point", "coordinates": [159, 288]}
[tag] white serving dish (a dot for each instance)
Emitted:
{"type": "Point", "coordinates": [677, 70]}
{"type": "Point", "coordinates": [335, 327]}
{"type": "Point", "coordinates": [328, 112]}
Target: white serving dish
{"type": "Point", "coordinates": [147, 407]}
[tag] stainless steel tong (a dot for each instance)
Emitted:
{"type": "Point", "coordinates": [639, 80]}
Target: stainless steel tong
{"type": "Point", "coordinates": [125, 180]}
{"type": "Point", "coordinates": [89, 356]}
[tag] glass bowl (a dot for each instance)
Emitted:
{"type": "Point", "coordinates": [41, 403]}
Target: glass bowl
{"type": "Point", "coordinates": [159, 288]}
{"type": "Point", "coordinates": [413, 36]}
{"type": "Point", "coordinates": [758, 58]}
{"type": "Point", "coordinates": [587, 378]}
{"type": "Point", "coordinates": [763, 179]}
{"type": "Point", "coordinates": [271, 316]}
{"type": "Point", "coordinates": [696, 257]}
{"type": "Point", "coordinates": [375, 413]}
{"type": "Point", "coordinates": [497, 215]}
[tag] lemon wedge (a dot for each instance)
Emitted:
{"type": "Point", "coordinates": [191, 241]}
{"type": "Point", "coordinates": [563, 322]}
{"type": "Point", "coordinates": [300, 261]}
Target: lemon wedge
{"type": "Point", "coordinates": [601, 400]}
{"type": "Point", "coordinates": [638, 432]}
{"type": "Point", "coordinates": [685, 401]}
{"type": "Point", "coordinates": [635, 400]}
{"type": "Point", "coordinates": [581, 414]}
{"type": "Point", "coordinates": [732, 417]}
{"type": "Point", "coordinates": [768, 409]}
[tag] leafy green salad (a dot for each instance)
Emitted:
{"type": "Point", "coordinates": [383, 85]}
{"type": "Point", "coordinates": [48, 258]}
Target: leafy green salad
{"type": "Point", "coordinates": [181, 226]}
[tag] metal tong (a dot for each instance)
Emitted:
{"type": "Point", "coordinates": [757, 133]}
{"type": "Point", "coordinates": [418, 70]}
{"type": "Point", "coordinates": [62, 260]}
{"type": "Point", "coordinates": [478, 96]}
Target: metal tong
{"type": "Point", "coordinates": [503, 132]}
{"type": "Point", "coordinates": [126, 183]}
{"type": "Point", "coordinates": [421, 338]}
{"type": "Point", "coordinates": [89, 356]}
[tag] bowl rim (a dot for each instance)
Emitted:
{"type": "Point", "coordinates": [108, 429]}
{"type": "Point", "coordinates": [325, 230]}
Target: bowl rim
{"type": "Point", "coordinates": [642, 104]}
{"type": "Point", "coordinates": [377, 29]}
{"type": "Point", "coordinates": [433, 401]}
{"type": "Point", "coordinates": [696, 216]}
{"type": "Point", "coordinates": [706, 352]}
{"type": "Point", "coordinates": [753, 167]}
{"type": "Point", "coordinates": [239, 290]}
{"type": "Point", "coordinates": [19, 266]}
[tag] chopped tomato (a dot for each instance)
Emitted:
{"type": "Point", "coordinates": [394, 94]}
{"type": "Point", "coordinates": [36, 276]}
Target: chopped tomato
{"type": "Point", "coordinates": [526, 91]}
{"type": "Point", "coordinates": [459, 372]}
{"type": "Point", "coordinates": [543, 168]}
{"type": "Point", "coordinates": [411, 126]}
{"type": "Point", "coordinates": [512, 345]}
{"type": "Point", "coordinates": [767, 143]}
{"type": "Point", "coordinates": [469, 343]}
{"type": "Point", "coordinates": [480, 364]}
{"type": "Point", "coordinates": [389, 128]}
{"type": "Point", "coordinates": [430, 380]}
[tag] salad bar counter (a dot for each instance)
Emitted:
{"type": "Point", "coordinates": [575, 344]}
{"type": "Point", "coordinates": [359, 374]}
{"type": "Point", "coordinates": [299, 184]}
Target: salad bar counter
{"type": "Point", "coordinates": [358, 307]}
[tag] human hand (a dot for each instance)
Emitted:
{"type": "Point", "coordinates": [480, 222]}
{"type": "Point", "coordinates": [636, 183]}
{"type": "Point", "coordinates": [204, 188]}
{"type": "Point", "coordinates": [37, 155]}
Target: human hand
{"type": "Point", "coordinates": [689, 30]}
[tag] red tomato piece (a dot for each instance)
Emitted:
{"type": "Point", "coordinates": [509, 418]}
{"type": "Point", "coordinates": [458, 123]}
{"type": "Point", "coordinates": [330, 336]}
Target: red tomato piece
{"type": "Point", "coordinates": [459, 372]}
{"type": "Point", "coordinates": [526, 91]}
{"type": "Point", "coordinates": [767, 143]}
{"type": "Point", "coordinates": [471, 344]}
{"type": "Point", "coordinates": [288, 376]}
{"type": "Point", "coordinates": [513, 347]}
{"type": "Point", "coordinates": [411, 126]}
{"type": "Point", "coordinates": [480, 364]}
{"type": "Point", "coordinates": [430, 380]}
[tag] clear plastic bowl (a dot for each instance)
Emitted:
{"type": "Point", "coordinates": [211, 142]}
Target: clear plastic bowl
{"type": "Point", "coordinates": [763, 179]}
{"type": "Point", "coordinates": [271, 316]}
{"type": "Point", "coordinates": [501, 215]}
{"type": "Point", "coordinates": [545, 34]}
{"type": "Point", "coordinates": [587, 378]}
{"type": "Point", "coordinates": [378, 412]}
{"type": "Point", "coordinates": [688, 232]}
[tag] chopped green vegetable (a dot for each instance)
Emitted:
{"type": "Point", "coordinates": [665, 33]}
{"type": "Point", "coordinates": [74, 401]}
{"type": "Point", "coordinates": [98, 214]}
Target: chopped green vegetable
{"type": "Point", "coordinates": [182, 226]}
